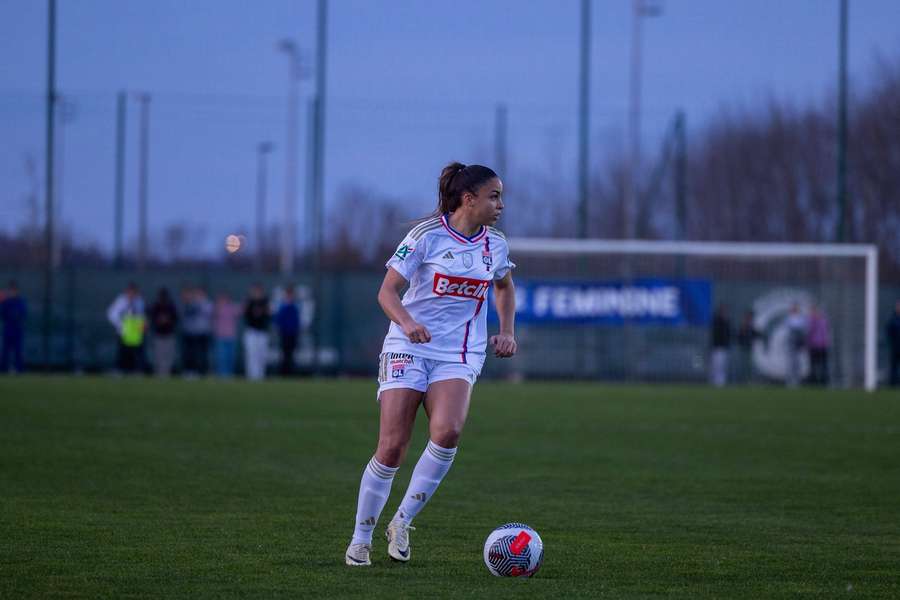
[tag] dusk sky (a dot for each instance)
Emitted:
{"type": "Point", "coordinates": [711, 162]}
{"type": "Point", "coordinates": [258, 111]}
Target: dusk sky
{"type": "Point", "coordinates": [411, 86]}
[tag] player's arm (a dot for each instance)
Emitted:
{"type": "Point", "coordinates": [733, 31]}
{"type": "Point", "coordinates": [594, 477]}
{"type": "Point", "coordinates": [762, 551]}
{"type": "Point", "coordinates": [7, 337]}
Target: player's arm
{"type": "Point", "coordinates": [389, 299]}
{"type": "Point", "coordinates": [504, 343]}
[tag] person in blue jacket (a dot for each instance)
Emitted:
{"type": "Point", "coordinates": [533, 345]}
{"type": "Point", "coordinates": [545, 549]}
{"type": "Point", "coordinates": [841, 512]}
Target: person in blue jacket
{"type": "Point", "coordinates": [13, 312]}
{"type": "Point", "coordinates": [892, 329]}
{"type": "Point", "coordinates": [287, 320]}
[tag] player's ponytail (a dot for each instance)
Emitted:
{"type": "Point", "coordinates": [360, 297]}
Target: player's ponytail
{"type": "Point", "coordinates": [457, 179]}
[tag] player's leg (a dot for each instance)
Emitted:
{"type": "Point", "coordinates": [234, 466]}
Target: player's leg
{"type": "Point", "coordinates": [447, 406]}
{"type": "Point", "coordinates": [398, 415]}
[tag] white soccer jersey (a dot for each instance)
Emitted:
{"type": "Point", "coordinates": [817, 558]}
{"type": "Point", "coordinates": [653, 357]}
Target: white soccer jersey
{"type": "Point", "coordinates": [449, 278]}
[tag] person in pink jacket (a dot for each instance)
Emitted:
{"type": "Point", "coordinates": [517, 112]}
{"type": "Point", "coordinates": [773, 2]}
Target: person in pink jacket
{"type": "Point", "coordinates": [225, 318]}
{"type": "Point", "coordinates": [818, 341]}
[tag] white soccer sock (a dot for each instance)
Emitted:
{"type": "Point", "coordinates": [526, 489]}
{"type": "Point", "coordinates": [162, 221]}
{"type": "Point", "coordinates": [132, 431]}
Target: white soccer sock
{"type": "Point", "coordinates": [374, 489]}
{"type": "Point", "coordinates": [429, 471]}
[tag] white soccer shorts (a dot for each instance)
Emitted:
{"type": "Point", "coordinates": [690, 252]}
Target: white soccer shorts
{"type": "Point", "coordinates": [401, 370]}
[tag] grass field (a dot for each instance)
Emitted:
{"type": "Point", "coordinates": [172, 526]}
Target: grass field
{"type": "Point", "coordinates": [115, 488]}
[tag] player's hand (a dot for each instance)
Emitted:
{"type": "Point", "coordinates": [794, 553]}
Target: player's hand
{"type": "Point", "coordinates": [417, 334]}
{"type": "Point", "coordinates": [504, 345]}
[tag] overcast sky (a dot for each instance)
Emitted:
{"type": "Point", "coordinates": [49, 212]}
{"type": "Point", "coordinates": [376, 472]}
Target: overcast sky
{"type": "Point", "coordinates": [411, 85]}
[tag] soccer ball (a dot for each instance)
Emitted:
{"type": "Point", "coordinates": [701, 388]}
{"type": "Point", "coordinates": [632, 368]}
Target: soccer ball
{"type": "Point", "coordinates": [513, 550]}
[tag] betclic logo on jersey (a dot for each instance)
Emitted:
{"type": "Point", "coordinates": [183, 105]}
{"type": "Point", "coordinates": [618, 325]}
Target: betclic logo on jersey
{"type": "Point", "coordinates": [461, 287]}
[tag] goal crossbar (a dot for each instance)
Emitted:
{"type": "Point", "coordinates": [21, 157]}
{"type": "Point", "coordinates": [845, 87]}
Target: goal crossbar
{"type": "Point", "coordinates": [868, 252]}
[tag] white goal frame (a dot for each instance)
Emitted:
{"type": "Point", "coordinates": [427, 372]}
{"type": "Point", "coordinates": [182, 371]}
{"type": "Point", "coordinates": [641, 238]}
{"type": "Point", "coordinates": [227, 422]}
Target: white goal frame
{"type": "Point", "coordinates": [869, 252]}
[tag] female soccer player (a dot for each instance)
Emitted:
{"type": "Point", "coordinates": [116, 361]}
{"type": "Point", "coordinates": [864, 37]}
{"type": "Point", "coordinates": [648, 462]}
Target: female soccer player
{"type": "Point", "coordinates": [435, 346]}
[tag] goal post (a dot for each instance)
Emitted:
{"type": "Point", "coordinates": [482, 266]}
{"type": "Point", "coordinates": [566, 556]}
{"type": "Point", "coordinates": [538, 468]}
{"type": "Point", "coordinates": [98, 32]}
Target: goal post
{"type": "Point", "coordinates": [606, 290]}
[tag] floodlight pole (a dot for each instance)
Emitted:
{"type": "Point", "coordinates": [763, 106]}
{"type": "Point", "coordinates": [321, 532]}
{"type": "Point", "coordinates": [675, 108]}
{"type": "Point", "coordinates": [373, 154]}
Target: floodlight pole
{"type": "Point", "coordinates": [500, 139]}
{"type": "Point", "coordinates": [289, 227]}
{"type": "Point", "coordinates": [318, 168]}
{"type": "Point", "coordinates": [121, 108]}
{"type": "Point", "coordinates": [66, 114]}
{"type": "Point", "coordinates": [680, 135]}
{"type": "Point", "coordinates": [640, 9]}
{"type": "Point", "coordinates": [842, 127]}
{"type": "Point", "coordinates": [143, 160]}
{"type": "Point", "coordinates": [262, 150]}
{"type": "Point", "coordinates": [584, 125]}
{"type": "Point", "coordinates": [48, 178]}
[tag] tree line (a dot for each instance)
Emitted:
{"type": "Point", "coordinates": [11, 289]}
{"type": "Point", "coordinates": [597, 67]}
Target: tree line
{"type": "Point", "coordinates": [754, 174]}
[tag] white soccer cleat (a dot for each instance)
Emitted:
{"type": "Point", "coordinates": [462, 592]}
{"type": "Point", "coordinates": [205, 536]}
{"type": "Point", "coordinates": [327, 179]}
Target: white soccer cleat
{"type": "Point", "coordinates": [398, 540]}
{"type": "Point", "coordinates": [357, 555]}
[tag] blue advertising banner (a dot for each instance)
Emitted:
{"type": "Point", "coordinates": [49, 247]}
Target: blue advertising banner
{"type": "Point", "coordinates": [641, 301]}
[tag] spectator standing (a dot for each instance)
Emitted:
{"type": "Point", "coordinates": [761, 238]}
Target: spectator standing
{"type": "Point", "coordinates": [225, 317]}
{"type": "Point", "coordinates": [13, 313]}
{"type": "Point", "coordinates": [893, 336]}
{"type": "Point", "coordinates": [127, 316]}
{"type": "Point", "coordinates": [256, 333]}
{"type": "Point", "coordinates": [163, 318]}
{"type": "Point", "coordinates": [196, 331]}
{"type": "Point", "coordinates": [797, 328]}
{"type": "Point", "coordinates": [720, 341]}
{"type": "Point", "coordinates": [287, 320]}
{"type": "Point", "coordinates": [818, 340]}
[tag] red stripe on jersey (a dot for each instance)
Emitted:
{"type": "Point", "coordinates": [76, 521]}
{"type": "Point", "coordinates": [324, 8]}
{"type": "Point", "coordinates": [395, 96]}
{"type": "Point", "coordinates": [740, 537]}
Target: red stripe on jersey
{"type": "Point", "coordinates": [465, 342]}
{"type": "Point", "coordinates": [465, 347]}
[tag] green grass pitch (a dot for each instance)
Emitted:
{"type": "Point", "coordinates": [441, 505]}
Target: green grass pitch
{"type": "Point", "coordinates": [116, 488]}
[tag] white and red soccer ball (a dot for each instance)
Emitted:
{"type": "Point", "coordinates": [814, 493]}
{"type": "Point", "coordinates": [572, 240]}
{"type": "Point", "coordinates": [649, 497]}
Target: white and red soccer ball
{"type": "Point", "coordinates": [513, 550]}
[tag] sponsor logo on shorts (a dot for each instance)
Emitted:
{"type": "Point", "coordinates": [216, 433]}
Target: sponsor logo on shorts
{"type": "Point", "coordinates": [393, 363]}
{"type": "Point", "coordinates": [398, 368]}
{"type": "Point", "coordinates": [461, 287]}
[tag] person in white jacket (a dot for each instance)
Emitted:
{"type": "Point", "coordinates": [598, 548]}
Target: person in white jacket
{"type": "Point", "coordinates": [127, 315]}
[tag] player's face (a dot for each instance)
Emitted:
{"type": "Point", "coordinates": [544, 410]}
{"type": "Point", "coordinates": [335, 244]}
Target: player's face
{"type": "Point", "coordinates": [487, 205]}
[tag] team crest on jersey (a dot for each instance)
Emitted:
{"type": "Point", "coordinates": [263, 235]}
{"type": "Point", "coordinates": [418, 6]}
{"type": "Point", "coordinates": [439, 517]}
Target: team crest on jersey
{"type": "Point", "coordinates": [467, 260]}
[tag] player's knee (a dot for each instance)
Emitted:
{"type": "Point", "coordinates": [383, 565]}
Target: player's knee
{"type": "Point", "coordinates": [390, 451]}
{"type": "Point", "coordinates": [446, 436]}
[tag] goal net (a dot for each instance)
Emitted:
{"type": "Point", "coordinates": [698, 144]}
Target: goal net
{"type": "Point", "coordinates": [647, 310]}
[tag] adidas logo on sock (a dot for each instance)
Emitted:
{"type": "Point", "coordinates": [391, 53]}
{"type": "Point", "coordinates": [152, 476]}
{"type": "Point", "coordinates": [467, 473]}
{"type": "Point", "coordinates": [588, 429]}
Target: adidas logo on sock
{"type": "Point", "coordinates": [448, 256]}
{"type": "Point", "coordinates": [420, 496]}
{"type": "Point", "coordinates": [369, 521]}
